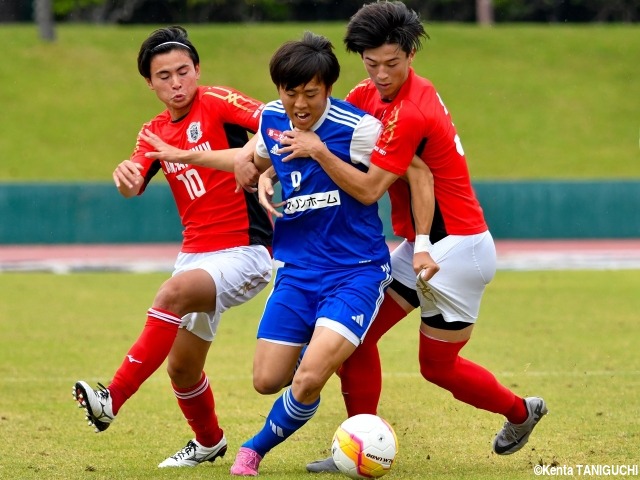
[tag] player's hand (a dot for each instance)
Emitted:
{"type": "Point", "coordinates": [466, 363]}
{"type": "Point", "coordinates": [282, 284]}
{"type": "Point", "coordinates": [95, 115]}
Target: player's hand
{"type": "Point", "coordinates": [163, 151]}
{"type": "Point", "coordinates": [300, 144]}
{"type": "Point", "coordinates": [424, 265]}
{"type": "Point", "coordinates": [246, 172]}
{"type": "Point", "coordinates": [127, 177]}
{"type": "Point", "coordinates": [265, 195]}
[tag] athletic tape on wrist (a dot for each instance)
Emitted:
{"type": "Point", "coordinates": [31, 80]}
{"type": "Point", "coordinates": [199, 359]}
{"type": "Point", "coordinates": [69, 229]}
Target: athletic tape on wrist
{"type": "Point", "coordinates": [422, 244]}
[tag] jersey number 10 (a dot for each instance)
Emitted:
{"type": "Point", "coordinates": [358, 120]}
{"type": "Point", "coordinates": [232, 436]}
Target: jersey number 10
{"type": "Point", "coordinates": [192, 182]}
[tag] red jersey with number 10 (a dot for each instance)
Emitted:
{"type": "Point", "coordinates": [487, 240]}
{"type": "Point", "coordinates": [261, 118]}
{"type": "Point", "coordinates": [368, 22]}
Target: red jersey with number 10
{"type": "Point", "coordinates": [213, 215]}
{"type": "Point", "coordinates": [416, 122]}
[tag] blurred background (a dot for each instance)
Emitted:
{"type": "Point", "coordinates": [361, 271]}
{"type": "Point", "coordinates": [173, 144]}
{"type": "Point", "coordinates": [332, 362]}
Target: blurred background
{"type": "Point", "coordinates": [545, 95]}
{"type": "Point", "coordinates": [199, 11]}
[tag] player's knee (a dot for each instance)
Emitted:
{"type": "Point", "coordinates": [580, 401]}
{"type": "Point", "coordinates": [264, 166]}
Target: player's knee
{"type": "Point", "coordinates": [267, 385]}
{"type": "Point", "coordinates": [432, 372]}
{"type": "Point", "coordinates": [182, 375]}
{"type": "Point", "coordinates": [170, 297]}
{"type": "Point", "coordinates": [307, 385]}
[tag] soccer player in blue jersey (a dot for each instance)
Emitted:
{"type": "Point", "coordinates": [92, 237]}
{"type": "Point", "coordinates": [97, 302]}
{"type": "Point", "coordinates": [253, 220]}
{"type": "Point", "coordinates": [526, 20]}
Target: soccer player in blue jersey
{"type": "Point", "coordinates": [335, 257]}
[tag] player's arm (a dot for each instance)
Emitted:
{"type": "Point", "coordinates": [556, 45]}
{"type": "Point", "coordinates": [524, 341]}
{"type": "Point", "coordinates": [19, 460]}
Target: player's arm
{"type": "Point", "coordinates": [244, 167]}
{"type": "Point", "coordinates": [423, 202]}
{"type": "Point", "coordinates": [218, 159]}
{"type": "Point", "coordinates": [366, 187]}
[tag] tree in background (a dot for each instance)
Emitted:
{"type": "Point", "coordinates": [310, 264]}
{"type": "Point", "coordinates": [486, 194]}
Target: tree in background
{"type": "Point", "coordinates": [484, 12]}
{"type": "Point", "coordinates": [43, 12]}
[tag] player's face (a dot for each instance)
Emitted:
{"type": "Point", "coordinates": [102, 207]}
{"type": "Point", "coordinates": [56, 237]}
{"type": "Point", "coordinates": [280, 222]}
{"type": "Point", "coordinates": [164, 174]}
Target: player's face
{"type": "Point", "coordinates": [388, 68]}
{"type": "Point", "coordinates": [174, 78]}
{"type": "Point", "coordinates": [305, 104]}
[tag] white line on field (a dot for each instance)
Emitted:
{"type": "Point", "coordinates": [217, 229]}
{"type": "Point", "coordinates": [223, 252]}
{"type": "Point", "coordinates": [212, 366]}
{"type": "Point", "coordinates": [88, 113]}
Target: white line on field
{"type": "Point", "coordinates": [213, 377]}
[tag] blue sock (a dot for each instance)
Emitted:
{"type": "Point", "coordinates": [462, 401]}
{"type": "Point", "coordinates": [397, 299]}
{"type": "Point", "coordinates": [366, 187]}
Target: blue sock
{"type": "Point", "coordinates": [286, 416]}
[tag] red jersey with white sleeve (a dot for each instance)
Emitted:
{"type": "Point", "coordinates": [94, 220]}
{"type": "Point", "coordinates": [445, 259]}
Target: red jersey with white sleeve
{"type": "Point", "coordinates": [213, 215]}
{"type": "Point", "coordinates": [416, 122]}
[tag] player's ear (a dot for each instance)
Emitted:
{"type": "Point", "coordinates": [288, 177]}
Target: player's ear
{"type": "Point", "coordinates": [197, 69]}
{"type": "Point", "coordinates": [149, 83]}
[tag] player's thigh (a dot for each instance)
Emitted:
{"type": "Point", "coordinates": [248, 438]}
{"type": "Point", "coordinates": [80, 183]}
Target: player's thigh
{"type": "Point", "coordinates": [467, 265]}
{"type": "Point", "coordinates": [238, 274]}
{"type": "Point", "coordinates": [190, 291]}
{"type": "Point", "coordinates": [351, 299]}
{"type": "Point", "coordinates": [290, 312]}
{"type": "Point", "coordinates": [273, 365]}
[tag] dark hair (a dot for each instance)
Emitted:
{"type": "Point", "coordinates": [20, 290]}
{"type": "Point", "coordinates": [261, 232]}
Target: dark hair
{"type": "Point", "coordinates": [380, 23]}
{"type": "Point", "coordinates": [164, 40]}
{"type": "Point", "coordinates": [299, 62]}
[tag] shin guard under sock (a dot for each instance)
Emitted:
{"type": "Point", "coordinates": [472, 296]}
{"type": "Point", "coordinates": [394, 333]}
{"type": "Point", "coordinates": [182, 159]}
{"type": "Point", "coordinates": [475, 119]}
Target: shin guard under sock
{"type": "Point", "coordinates": [467, 381]}
{"type": "Point", "coordinates": [145, 356]}
{"type": "Point", "coordinates": [198, 407]}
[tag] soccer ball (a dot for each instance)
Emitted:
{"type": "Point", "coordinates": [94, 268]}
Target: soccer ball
{"type": "Point", "coordinates": [364, 446]}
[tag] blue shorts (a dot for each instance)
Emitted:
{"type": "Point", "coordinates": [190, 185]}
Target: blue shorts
{"type": "Point", "coordinates": [347, 298]}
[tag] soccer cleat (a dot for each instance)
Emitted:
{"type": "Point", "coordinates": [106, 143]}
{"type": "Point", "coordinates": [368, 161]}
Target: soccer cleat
{"type": "Point", "coordinates": [246, 463]}
{"type": "Point", "coordinates": [321, 466]}
{"type": "Point", "coordinates": [513, 437]}
{"type": "Point", "coordinates": [194, 454]}
{"type": "Point", "coordinates": [96, 403]}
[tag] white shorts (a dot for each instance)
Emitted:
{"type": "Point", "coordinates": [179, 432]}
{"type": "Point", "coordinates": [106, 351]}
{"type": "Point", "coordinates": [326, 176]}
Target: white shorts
{"type": "Point", "coordinates": [467, 264]}
{"type": "Point", "coordinates": [239, 273]}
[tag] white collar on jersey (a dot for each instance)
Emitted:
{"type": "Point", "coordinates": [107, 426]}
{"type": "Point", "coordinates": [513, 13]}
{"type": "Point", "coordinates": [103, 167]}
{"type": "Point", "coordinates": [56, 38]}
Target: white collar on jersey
{"type": "Point", "coordinates": [320, 120]}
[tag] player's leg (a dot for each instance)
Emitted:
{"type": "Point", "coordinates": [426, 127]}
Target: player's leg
{"type": "Point", "coordinates": [285, 327]}
{"type": "Point", "coordinates": [297, 405]}
{"type": "Point", "coordinates": [192, 288]}
{"type": "Point", "coordinates": [285, 322]}
{"type": "Point", "coordinates": [273, 363]}
{"type": "Point", "coordinates": [361, 374]}
{"type": "Point", "coordinates": [178, 295]}
{"type": "Point", "coordinates": [343, 317]}
{"type": "Point", "coordinates": [196, 401]}
{"type": "Point", "coordinates": [238, 275]}
{"type": "Point", "coordinates": [450, 306]}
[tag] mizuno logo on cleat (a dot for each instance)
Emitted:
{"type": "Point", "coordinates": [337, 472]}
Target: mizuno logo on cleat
{"type": "Point", "coordinates": [537, 413]}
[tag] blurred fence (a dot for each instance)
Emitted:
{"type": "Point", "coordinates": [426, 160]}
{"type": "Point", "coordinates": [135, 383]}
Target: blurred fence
{"type": "Point", "coordinates": [68, 213]}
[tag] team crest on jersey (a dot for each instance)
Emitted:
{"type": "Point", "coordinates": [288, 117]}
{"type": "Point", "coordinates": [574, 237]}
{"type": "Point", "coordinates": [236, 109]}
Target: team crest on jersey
{"type": "Point", "coordinates": [194, 132]}
{"type": "Point", "coordinates": [274, 134]}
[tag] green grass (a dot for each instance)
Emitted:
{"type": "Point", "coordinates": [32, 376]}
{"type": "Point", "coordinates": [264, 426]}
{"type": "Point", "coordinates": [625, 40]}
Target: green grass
{"type": "Point", "coordinates": [530, 102]}
{"type": "Point", "coordinates": [569, 336]}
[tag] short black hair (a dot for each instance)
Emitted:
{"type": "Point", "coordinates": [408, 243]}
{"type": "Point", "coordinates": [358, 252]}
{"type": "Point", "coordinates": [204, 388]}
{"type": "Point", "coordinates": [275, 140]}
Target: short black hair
{"type": "Point", "coordinates": [164, 40]}
{"type": "Point", "coordinates": [297, 62]}
{"type": "Point", "coordinates": [384, 22]}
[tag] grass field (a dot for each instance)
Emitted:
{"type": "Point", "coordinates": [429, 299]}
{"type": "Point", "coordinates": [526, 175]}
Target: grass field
{"type": "Point", "coordinates": [571, 337]}
{"type": "Point", "coordinates": [529, 101]}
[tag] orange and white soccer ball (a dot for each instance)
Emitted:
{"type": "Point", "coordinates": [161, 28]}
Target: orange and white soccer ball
{"type": "Point", "coordinates": [364, 446]}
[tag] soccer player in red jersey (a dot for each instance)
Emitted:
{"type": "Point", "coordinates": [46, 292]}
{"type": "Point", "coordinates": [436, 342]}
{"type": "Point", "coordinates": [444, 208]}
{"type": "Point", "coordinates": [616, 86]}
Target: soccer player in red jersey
{"type": "Point", "coordinates": [416, 122]}
{"type": "Point", "coordinates": [225, 257]}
